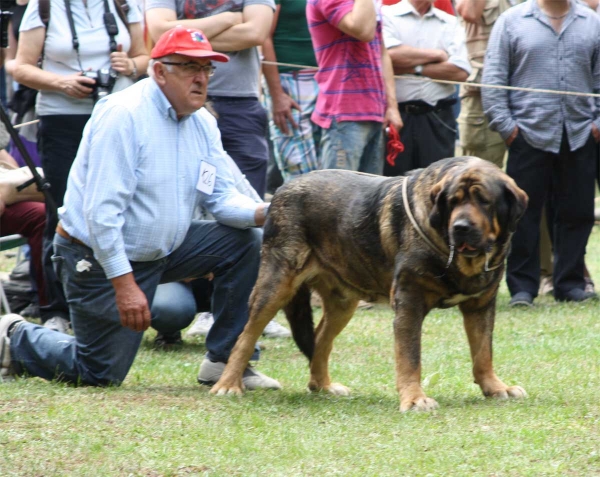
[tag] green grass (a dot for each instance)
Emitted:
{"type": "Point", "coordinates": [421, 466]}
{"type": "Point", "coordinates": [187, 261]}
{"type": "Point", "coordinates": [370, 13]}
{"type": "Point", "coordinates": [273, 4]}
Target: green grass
{"type": "Point", "coordinates": [160, 422]}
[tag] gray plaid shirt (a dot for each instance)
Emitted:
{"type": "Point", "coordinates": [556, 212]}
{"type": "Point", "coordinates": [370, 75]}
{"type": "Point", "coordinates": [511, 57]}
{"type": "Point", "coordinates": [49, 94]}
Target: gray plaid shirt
{"type": "Point", "coordinates": [525, 51]}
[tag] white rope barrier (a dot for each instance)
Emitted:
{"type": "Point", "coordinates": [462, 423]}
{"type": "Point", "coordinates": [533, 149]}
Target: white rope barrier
{"type": "Point", "coordinates": [476, 85]}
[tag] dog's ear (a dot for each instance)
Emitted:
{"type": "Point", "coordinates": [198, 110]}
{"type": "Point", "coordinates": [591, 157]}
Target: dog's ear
{"type": "Point", "coordinates": [438, 196]}
{"type": "Point", "coordinates": [516, 201]}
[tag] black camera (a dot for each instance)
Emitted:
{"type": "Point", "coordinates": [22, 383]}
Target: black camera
{"type": "Point", "coordinates": [105, 81]}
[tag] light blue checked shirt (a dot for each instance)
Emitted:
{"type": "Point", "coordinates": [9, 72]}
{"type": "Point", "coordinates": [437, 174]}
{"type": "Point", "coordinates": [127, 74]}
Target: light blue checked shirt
{"type": "Point", "coordinates": [131, 192]}
{"type": "Point", "coordinates": [525, 51]}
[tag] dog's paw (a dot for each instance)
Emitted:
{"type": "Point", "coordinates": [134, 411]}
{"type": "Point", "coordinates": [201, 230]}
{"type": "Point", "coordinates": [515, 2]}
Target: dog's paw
{"type": "Point", "coordinates": [422, 404]}
{"type": "Point", "coordinates": [514, 392]}
{"type": "Point", "coordinates": [337, 389]}
{"type": "Point", "coordinates": [223, 389]}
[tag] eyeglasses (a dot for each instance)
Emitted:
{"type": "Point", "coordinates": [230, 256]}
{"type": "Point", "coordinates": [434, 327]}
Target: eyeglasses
{"type": "Point", "coordinates": [191, 68]}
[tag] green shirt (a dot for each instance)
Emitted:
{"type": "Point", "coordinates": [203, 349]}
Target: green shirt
{"type": "Point", "coordinates": [291, 38]}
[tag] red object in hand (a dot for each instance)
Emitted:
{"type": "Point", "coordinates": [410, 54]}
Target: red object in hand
{"type": "Point", "coordinates": [394, 146]}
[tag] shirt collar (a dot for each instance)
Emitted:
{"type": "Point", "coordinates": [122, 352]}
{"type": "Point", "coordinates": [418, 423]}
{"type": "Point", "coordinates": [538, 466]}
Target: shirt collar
{"type": "Point", "coordinates": [162, 103]}
{"type": "Point", "coordinates": [533, 9]}
{"type": "Point", "coordinates": [404, 7]}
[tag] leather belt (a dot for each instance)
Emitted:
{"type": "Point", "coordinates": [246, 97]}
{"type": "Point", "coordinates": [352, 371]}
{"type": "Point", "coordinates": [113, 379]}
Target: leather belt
{"type": "Point", "coordinates": [64, 234]}
{"type": "Point", "coordinates": [421, 107]}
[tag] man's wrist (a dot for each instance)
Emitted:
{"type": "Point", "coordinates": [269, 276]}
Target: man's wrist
{"type": "Point", "coordinates": [419, 70]}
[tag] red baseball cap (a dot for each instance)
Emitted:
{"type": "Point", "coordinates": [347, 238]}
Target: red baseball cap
{"type": "Point", "coordinates": [187, 42]}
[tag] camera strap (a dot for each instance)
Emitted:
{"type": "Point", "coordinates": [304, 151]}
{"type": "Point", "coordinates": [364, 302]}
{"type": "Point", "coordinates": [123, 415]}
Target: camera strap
{"type": "Point", "coordinates": [110, 23]}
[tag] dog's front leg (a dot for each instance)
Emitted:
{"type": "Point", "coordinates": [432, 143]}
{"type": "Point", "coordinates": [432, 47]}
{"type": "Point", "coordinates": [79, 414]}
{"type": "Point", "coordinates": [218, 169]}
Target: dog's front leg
{"type": "Point", "coordinates": [410, 310]}
{"type": "Point", "coordinates": [479, 325]}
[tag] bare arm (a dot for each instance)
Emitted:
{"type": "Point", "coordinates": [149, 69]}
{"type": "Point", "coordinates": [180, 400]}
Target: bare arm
{"type": "Point", "coordinates": [282, 102]}
{"type": "Point", "coordinates": [159, 20]}
{"type": "Point", "coordinates": [444, 71]}
{"type": "Point", "coordinates": [392, 115]}
{"type": "Point", "coordinates": [361, 22]}
{"type": "Point", "coordinates": [472, 10]}
{"type": "Point", "coordinates": [11, 52]}
{"type": "Point", "coordinates": [136, 59]}
{"type": "Point", "coordinates": [253, 31]}
{"type": "Point", "coordinates": [404, 56]}
{"type": "Point", "coordinates": [28, 73]}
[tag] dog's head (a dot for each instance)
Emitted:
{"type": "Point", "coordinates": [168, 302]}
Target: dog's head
{"type": "Point", "coordinates": [475, 205]}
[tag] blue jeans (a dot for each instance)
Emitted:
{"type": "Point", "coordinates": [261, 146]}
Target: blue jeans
{"type": "Point", "coordinates": [173, 308]}
{"type": "Point", "coordinates": [102, 350]}
{"type": "Point", "coordinates": [353, 145]}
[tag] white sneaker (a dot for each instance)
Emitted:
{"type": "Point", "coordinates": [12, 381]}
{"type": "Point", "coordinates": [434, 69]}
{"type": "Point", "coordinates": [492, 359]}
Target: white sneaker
{"type": "Point", "coordinates": [275, 330]}
{"type": "Point", "coordinates": [57, 323]}
{"type": "Point", "coordinates": [211, 372]}
{"type": "Point", "coordinates": [202, 325]}
{"type": "Point", "coordinates": [6, 369]}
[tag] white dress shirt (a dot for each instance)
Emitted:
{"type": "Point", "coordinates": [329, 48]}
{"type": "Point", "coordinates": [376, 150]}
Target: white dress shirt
{"type": "Point", "coordinates": [403, 25]}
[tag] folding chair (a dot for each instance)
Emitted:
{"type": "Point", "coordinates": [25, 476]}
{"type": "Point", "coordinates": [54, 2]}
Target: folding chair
{"type": "Point", "coordinates": [7, 243]}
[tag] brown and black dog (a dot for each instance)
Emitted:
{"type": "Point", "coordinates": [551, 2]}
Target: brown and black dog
{"type": "Point", "coordinates": [433, 239]}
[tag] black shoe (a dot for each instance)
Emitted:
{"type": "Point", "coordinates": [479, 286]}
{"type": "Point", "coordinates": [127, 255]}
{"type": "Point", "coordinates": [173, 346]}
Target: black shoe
{"type": "Point", "coordinates": [166, 340]}
{"type": "Point", "coordinates": [576, 294]}
{"type": "Point", "coordinates": [521, 299]}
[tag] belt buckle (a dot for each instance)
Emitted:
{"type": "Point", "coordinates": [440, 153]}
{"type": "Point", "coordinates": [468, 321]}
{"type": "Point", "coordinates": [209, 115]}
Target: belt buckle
{"type": "Point", "coordinates": [412, 109]}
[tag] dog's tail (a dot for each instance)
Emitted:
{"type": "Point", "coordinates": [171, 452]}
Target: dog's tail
{"type": "Point", "coordinates": [299, 314]}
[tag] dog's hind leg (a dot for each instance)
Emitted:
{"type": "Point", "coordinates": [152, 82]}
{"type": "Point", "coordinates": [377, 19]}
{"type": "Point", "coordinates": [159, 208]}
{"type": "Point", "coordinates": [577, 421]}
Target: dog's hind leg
{"type": "Point", "coordinates": [337, 312]}
{"type": "Point", "coordinates": [274, 288]}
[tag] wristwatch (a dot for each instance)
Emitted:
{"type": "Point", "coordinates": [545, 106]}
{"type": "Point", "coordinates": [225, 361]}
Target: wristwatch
{"type": "Point", "coordinates": [419, 70]}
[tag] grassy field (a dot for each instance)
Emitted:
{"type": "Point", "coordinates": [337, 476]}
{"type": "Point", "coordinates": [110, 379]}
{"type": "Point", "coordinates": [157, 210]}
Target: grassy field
{"type": "Point", "coordinates": [161, 422]}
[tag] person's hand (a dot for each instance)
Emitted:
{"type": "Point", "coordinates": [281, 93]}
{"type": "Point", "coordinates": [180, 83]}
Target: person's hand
{"type": "Point", "coordinates": [77, 86]}
{"type": "Point", "coordinates": [120, 61]}
{"type": "Point", "coordinates": [512, 136]}
{"type": "Point", "coordinates": [282, 112]}
{"type": "Point", "coordinates": [595, 133]}
{"type": "Point", "coordinates": [392, 118]}
{"type": "Point", "coordinates": [131, 303]}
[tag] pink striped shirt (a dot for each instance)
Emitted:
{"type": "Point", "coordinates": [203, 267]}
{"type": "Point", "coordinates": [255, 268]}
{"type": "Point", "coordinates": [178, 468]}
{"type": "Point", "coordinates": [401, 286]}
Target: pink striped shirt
{"type": "Point", "coordinates": [351, 86]}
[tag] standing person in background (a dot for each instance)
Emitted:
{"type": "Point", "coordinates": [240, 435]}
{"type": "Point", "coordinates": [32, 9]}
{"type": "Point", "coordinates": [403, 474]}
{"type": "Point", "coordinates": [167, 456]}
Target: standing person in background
{"type": "Point", "coordinates": [291, 94]}
{"type": "Point", "coordinates": [357, 98]}
{"type": "Point", "coordinates": [476, 138]}
{"type": "Point", "coordinates": [237, 27]}
{"type": "Point", "coordinates": [552, 139]}
{"type": "Point", "coordinates": [64, 102]}
{"type": "Point", "coordinates": [424, 41]}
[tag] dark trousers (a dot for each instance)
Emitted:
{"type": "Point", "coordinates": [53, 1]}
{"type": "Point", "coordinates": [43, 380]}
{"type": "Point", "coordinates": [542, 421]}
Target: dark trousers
{"type": "Point", "coordinates": [243, 125]}
{"type": "Point", "coordinates": [567, 179]}
{"type": "Point", "coordinates": [59, 138]}
{"type": "Point", "coordinates": [427, 138]}
{"type": "Point", "coordinates": [28, 219]}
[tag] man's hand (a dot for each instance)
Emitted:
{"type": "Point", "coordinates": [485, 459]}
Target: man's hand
{"type": "Point", "coordinates": [595, 133]}
{"type": "Point", "coordinates": [392, 118]}
{"type": "Point", "coordinates": [282, 112]}
{"type": "Point", "coordinates": [512, 137]}
{"type": "Point", "coordinates": [131, 303]}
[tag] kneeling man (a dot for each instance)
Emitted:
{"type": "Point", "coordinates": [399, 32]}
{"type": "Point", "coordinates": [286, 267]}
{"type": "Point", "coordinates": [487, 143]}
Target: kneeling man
{"type": "Point", "coordinates": [149, 156]}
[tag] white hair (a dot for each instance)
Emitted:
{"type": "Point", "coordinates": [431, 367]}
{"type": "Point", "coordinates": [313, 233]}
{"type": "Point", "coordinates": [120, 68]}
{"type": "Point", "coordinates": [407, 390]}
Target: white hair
{"type": "Point", "coordinates": [152, 62]}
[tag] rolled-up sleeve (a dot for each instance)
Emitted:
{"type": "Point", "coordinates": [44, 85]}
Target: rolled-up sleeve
{"type": "Point", "coordinates": [496, 72]}
{"type": "Point", "coordinates": [457, 50]}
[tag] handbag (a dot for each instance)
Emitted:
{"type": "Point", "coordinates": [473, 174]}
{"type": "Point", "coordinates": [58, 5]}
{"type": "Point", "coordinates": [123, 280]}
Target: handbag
{"type": "Point", "coordinates": [23, 100]}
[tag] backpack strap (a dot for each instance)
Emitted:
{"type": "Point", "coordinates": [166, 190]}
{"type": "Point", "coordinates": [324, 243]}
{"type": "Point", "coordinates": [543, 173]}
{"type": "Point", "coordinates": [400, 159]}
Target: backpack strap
{"type": "Point", "coordinates": [122, 8]}
{"type": "Point", "coordinates": [44, 11]}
